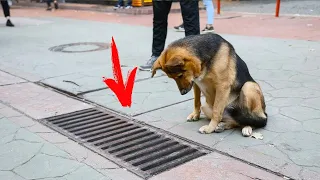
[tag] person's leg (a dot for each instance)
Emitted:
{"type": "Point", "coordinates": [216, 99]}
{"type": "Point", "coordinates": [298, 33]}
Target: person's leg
{"type": "Point", "coordinates": [210, 15]}
{"type": "Point", "coordinates": [190, 16]}
{"type": "Point", "coordinates": [56, 5]}
{"type": "Point", "coordinates": [179, 28]}
{"type": "Point", "coordinates": [129, 3]}
{"type": "Point", "coordinates": [161, 10]}
{"type": "Point", "coordinates": [49, 4]}
{"type": "Point", "coordinates": [119, 4]}
{"type": "Point", "coordinates": [6, 12]}
{"type": "Point", "coordinates": [5, 7]}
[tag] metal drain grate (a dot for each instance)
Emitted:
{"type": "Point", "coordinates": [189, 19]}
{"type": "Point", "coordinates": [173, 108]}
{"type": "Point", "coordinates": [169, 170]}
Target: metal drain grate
{"type": "Point", "coordinates": [142, 150]}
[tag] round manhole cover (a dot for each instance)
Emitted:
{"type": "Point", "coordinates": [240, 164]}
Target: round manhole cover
{"type": "Point", "coordinates": [80, 47]}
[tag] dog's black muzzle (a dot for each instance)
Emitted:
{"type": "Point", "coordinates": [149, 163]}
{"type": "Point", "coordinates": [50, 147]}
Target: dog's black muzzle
{"type": "Point", "coordinates": [186, 90]}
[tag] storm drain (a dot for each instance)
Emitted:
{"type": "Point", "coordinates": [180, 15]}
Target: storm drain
{"type": "Point", "coordinates": [143, 150]}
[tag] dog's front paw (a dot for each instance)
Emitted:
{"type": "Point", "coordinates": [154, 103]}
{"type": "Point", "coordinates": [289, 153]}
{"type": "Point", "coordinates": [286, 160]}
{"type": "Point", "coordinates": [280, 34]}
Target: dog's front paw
{"type": "Point", "coordinates": [221, 126]}
{"type": "Point", "coordinates": [247, 131]}
{"type": "Point", "coordinates": [193, 117]}
{"type": "Point", "coordinates": [207, 129]}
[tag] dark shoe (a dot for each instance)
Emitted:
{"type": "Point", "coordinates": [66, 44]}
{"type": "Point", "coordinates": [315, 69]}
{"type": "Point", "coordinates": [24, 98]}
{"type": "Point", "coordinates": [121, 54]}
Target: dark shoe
{"type": "Point", "coordinates": [208, 29]}
{"type": "Point", "coordinates": [49, 8]}
{"type": "Point", "coordinates": [179, 28]}
{"type": "Point", "coordinates": [9, 23]}
{"type": "Point", "coordinates": [117, 7]}
{"type": "Point", "coordinates": [149, 64]}
{"type": "Point", "coordinates": [56, 5]}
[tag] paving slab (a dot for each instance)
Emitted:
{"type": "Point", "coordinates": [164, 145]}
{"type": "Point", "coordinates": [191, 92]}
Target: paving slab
{"type": "Point", "coordinates": [6, 79]}
{"type": "Point", "coordinates": [38, 102]}
{"type": "Point", "coordinates": [147, 95]}
{"type": "Point", "coordinates": [83, 82]}
{"type": "Point", "coordinates": [215, 166]}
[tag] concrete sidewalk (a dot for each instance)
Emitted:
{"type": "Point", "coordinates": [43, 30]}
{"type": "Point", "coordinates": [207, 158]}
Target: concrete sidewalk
{"type": "Point", "coordinates": [47, 154]}
{"type": "Point", "coordinates": [287, 69]}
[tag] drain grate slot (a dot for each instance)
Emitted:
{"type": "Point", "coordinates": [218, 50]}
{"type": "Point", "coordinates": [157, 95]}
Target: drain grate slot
{"type": "Point", "coordinates": [142, 150]}
{"type": "Point", "coordinates": [141, 145]}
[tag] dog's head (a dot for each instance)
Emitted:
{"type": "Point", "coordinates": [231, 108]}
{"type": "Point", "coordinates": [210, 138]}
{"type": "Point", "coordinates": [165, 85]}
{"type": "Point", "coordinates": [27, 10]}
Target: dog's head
{"type": "Point", "coordinates": [180, 65]}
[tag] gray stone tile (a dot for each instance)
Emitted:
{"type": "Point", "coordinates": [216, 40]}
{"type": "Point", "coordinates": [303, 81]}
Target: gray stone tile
{"type": "Point", "coordinates": [39, 128]}
{"type": "Point", "coordinates": [274, 75]}
{"type": "Point", "coordinates": [52, 150]}
{"type": "Point", "coordinates": [147, 95]}
{"type": "Point", "coordinates": [23, 134]}
{"type": "Point", "coordinates": [312, 103]}
{"type": "Point", "coordinates": [6, 139]}
{"type": "Point", "coordinates": [7, 128]}
{"type": "Point", "coordinates": [9, 112]}
{"type": "Point", "coordinates": [119, 174]}
{"type": "Point", "coordinates": [303, 78]}
{"type": "Point", "coordinates": [282, 102]}
{"type": "Point", "coordinates": [44, 166]}
{"type": "Point", "coordinates": [300, 113]}
{"type": "Point", "coordinates": [91, 80]}
{"type": "Point", "coordinates": [8, 175]}
{"type": "Point", "coordinates": [307, 174]}
{"type": "Point", "coordinates": [12, 156]}
{"type": "Point", "coordinates": [295, 93]}
{"type": "Point", "coordinates": [37, 101]}
{"type": "Point", "coordinates": [6, 79]}
{"type": "Point", "coordinates": [280, 123]}
{"type": "Point", "coordinates": [77, 151]}
{"type": "Point", "coordinates": [22, 121]}
{"type": "Point", "coordinates": [53, 137]}
{"type": "Point", "coordinates": [236, 138]}
{"type": "Point", "coordinates": [86, 173]}
{"type": "Point", "coordinates": [98, 162]}
{"type": "Point", "coordinates": [312, 126]}
{"type": "Point", "coordinates": [283, 84]}
{"type": "Point", "coordinates": [301, 147]}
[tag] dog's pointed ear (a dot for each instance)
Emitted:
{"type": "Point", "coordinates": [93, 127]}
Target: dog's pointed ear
{"type": "Point", "coordinates": [155, 67]}
{"type": "Point", "coordinates": [159, 62]}
{"type": "Point", "coordinates": [175, 63]}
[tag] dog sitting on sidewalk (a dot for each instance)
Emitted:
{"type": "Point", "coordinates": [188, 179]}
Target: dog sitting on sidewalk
{"type": "Point", "coordinates": [210, 65]}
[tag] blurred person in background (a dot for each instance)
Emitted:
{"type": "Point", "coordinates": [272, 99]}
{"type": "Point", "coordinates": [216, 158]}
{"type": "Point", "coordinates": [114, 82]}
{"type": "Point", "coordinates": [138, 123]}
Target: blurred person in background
{"type": "Point", "coordinates": [55, 3]}
{"type": "Point", "coordinates": [120, 5]}
{"type": "Point", "coordinates": [6, 12]}
{"type": "Point", "coordinates": [210, 17]}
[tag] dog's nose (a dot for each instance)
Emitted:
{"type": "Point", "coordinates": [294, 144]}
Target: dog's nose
{"type": "Point", "coordinates": [183, 91]}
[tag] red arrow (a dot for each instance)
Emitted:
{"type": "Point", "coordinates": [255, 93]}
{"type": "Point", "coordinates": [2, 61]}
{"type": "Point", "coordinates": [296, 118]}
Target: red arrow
{"type": "Point", "coordinates": [122, 91]}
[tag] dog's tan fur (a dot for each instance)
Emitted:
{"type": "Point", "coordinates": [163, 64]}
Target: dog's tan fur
{"type": "Point", "coordinates": [216, 84]}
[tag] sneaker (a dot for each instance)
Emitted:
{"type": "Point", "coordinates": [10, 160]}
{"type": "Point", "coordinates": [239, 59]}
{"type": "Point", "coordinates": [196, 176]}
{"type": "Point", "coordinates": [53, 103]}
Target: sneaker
{"type": "Point", "coordinates": [49, 8]}
{"type": "Point", "coordinates": [117, 7]}
{"type": "Point", "coordinates": [56, 6]}
{"type": "Point", "coordinates": [9, 23]}
{"type": "Point", "coordinates": [179, 28]}
{"type": "Point", "coordinates": [128, 7]}
{"type": "Point", "coordinates": [208, 29]}
{"type": "Point", "coordinates": [149, 64]}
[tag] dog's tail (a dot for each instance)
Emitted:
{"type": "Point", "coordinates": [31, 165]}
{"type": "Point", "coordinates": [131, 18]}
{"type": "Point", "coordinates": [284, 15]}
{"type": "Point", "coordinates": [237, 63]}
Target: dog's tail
{"type": "Point", "coordinates": [246, 118]}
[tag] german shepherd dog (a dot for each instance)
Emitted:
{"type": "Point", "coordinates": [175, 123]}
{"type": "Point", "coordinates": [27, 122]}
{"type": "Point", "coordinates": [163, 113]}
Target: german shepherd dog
{"type": "Point", "coordinates": [210, 65]}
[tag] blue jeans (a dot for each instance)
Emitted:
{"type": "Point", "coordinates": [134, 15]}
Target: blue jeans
{"type": "Point", "coordinates": [121, 3]}
{"type": "Point", "coordinates": [209, 10]}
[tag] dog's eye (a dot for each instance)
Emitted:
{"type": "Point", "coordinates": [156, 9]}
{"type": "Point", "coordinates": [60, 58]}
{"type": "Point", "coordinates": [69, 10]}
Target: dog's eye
{"type": "Point", "coordinates": [180, 75]}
